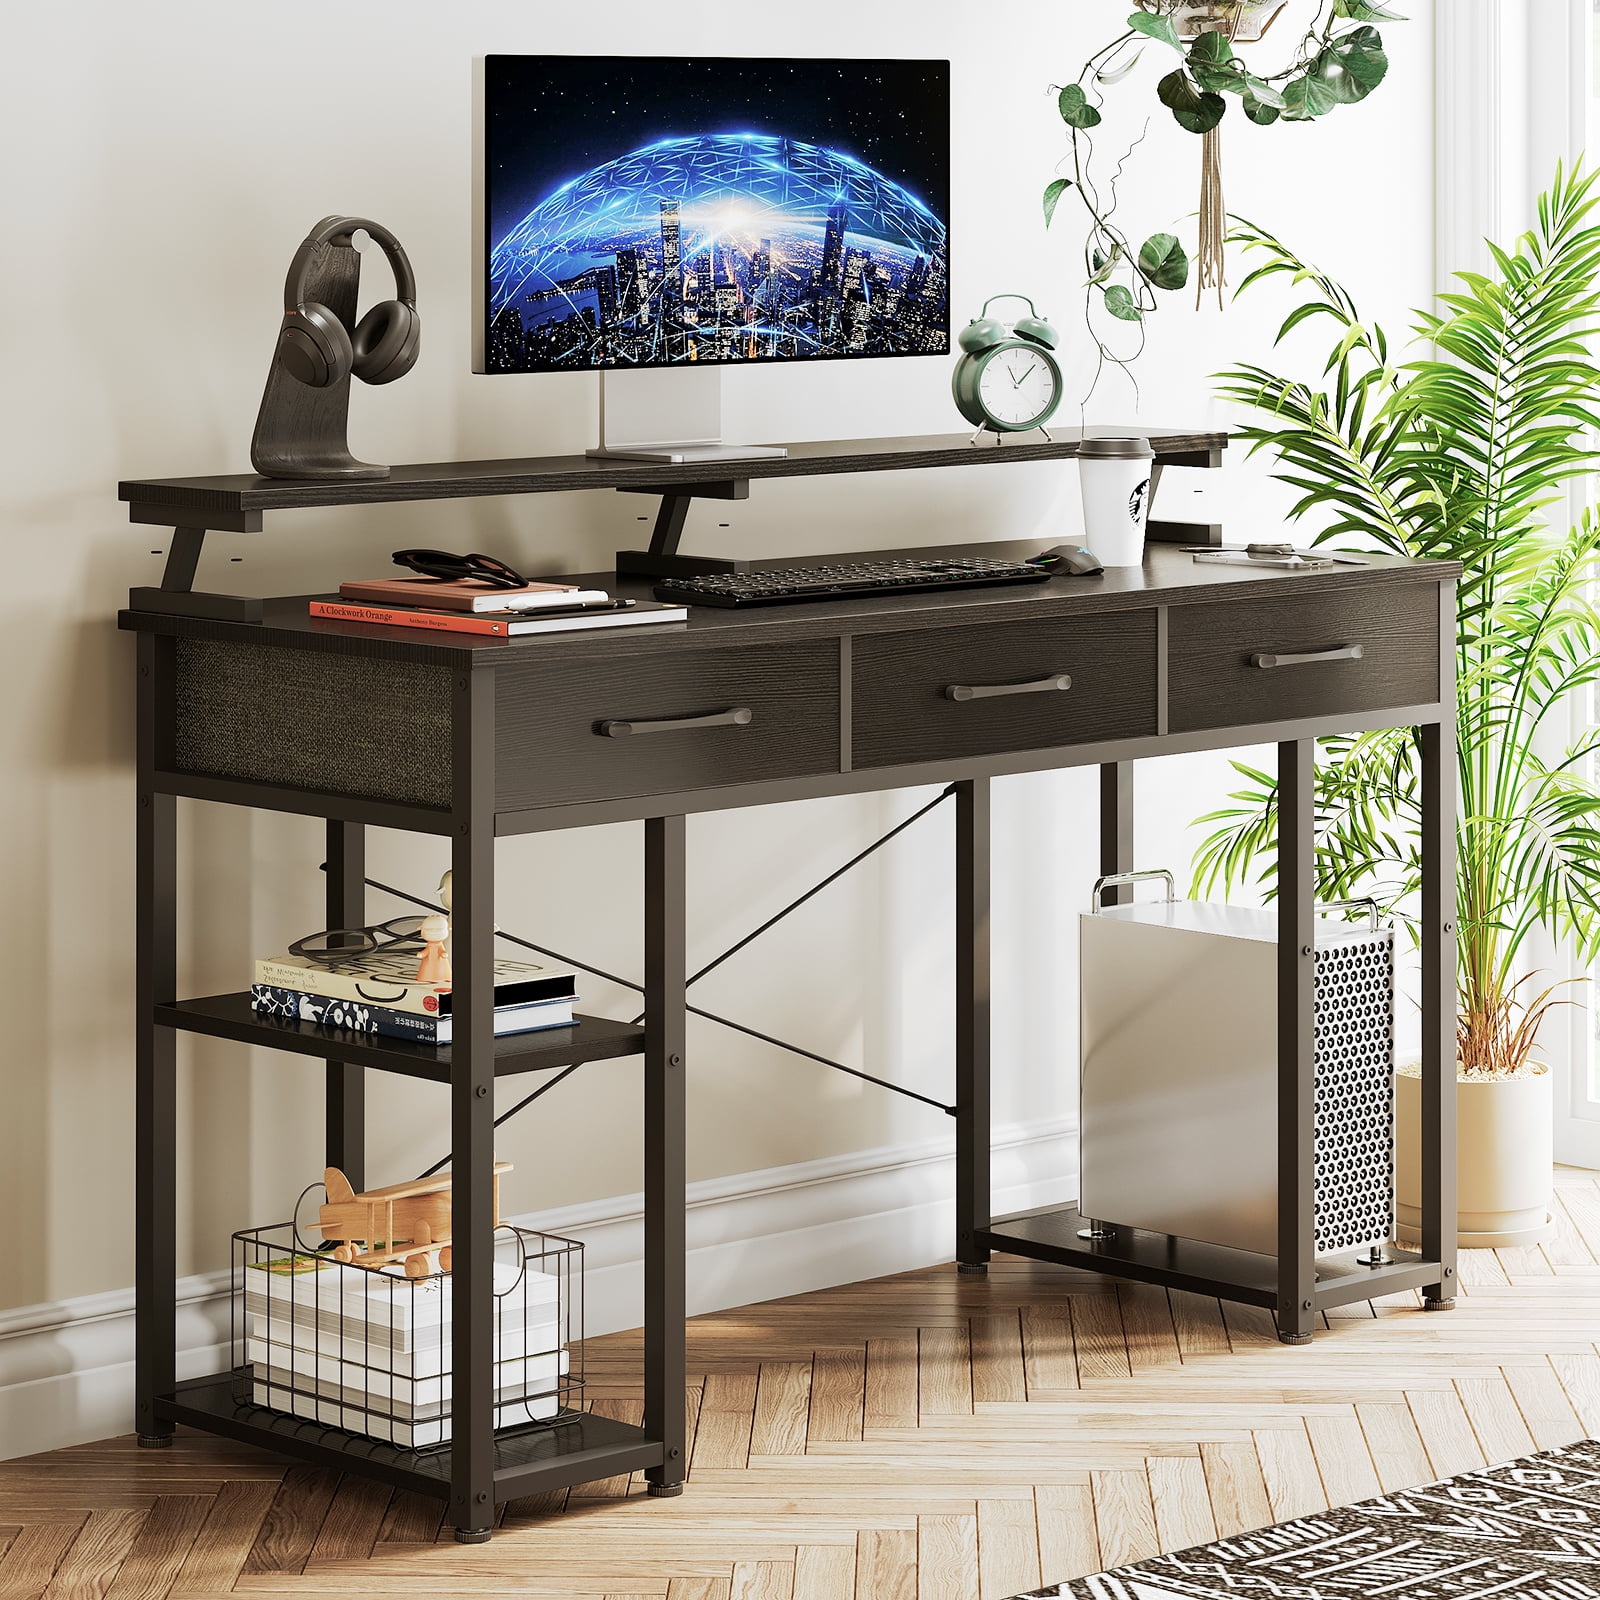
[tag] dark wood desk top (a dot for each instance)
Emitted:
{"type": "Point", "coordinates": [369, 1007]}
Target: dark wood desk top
{"type": "Point", "coordinates": [244, 493]}
{"type": "Point", "coordinates": [1167, 578]}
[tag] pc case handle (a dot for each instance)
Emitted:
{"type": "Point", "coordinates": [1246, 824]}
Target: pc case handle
{"type": "Point", "coordinates": [1374, 913]}
{"type": "Point", "coordinates": [1113, 879]}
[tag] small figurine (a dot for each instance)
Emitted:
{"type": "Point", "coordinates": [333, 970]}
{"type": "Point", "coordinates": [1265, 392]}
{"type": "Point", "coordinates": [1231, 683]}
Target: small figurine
{"type": "Point", "coordinates": [433, 966]}
{"type": "Point", "coordinates": [446, 885]}
{"type": "Point", "coordinates": [405, 1222]}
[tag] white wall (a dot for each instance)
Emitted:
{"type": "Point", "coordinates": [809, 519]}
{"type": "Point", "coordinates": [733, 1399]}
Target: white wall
{"type": "Point", "coordinates": [163, 160]}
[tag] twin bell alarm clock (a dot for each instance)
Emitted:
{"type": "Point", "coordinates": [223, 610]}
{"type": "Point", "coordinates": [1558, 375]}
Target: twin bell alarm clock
{"type": "Point", "coordinates": [1007, 380]}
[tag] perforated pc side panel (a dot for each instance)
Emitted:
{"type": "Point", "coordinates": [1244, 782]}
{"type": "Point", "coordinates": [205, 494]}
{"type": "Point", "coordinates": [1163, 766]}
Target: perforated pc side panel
{"type": "Point", "coordinates": [1354, 1144]}
{"type": "Point", "coordinates": [347, 724]}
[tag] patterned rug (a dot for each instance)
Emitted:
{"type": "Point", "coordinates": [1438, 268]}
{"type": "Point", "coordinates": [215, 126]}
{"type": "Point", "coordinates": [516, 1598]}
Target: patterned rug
{"type": "Point", "coordinates": [1526, 1530]}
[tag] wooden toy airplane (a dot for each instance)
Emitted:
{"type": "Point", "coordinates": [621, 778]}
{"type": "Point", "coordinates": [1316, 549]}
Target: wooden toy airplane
{"type": "Point", "coordinates": [405, 1222]}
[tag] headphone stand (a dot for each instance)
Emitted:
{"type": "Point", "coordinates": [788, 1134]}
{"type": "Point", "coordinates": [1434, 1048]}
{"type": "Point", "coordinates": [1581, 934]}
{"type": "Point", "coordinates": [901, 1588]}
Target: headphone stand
{"type": "Point", "coordinates": [301, 432]}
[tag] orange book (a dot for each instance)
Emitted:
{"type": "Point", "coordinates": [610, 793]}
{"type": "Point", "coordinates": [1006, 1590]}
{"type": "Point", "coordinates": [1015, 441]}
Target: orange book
{"type": "Point", "coordinates": [464, 594]}
{"type": "Point", "coordinates": [443, 622]}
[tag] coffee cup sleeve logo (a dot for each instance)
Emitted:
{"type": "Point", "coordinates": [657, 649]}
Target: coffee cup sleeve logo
{"type": "Point", "coordinates": [1137, 499]}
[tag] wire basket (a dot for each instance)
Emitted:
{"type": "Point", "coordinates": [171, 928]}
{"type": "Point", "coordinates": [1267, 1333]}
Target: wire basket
{"type": "Point", "coordinates": [370, 1350]}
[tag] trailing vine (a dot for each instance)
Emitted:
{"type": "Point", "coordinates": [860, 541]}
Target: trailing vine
{"type": "Point", "coordinates": [1339, 60]}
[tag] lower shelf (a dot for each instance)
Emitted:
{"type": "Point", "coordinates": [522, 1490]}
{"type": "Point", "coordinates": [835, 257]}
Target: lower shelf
{"type": "Point", "coordinates": [229, 1016]}
{"type": "Point", "coordinates": [1051, 1234]}
{"type": "Point", "coordinates": [553, 1456]}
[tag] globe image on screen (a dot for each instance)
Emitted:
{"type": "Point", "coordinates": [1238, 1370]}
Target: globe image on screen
{"type": "Point", "coordinates": [722, 247]}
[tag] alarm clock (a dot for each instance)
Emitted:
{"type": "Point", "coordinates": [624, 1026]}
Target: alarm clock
{"type": "Point", "coordinates": [1007, 380]}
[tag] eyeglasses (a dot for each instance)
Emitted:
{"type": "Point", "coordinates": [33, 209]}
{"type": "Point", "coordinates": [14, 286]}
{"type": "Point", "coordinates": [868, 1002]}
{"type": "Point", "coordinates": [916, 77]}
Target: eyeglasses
{"type": "Point", "coordinates": [444, 564]}
{"type": "Point", "coordinates": [338, 944]}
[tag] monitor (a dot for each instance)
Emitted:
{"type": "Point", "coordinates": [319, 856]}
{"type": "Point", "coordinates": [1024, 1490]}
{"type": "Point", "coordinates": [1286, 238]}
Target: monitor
{"type": "Point", "coordinates": [649, 212]}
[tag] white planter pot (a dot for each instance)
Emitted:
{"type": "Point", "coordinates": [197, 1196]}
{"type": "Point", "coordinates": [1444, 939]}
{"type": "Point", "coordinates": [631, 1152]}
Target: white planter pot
{"type": "Point", "coordinates": [1504, 1154]}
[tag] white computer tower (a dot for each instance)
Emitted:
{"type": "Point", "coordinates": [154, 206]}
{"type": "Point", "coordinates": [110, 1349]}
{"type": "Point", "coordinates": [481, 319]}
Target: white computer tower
{"type": "Point", "coordinates": [1178, 1097]}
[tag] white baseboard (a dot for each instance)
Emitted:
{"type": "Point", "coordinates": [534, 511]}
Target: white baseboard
{"type": "Point", "coordinates": [66, 1368]}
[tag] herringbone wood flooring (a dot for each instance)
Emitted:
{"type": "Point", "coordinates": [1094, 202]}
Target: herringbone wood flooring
{"type": "Point", "coordinates": [922, 1437]}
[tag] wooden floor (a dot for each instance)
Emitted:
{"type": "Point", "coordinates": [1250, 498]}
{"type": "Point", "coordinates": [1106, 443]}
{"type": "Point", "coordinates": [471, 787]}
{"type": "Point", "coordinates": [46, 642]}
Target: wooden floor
{"type": "Point", "coordinates": [923, 1437]}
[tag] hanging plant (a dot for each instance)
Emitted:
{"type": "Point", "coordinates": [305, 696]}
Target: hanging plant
{"type": "Point", "coordinates": [1337, 61]}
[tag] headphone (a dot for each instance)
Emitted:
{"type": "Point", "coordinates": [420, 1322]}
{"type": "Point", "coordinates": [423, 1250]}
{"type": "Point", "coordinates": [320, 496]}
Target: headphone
{"type": "Point", "coordinates": [316, 348]}
{"type": "Point", "coordinates": [984, 331]}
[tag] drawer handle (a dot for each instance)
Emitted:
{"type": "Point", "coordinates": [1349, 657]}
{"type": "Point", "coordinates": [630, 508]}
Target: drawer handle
{"type": "Point", "coordinates": [733, 717]}
{"type": "Point", "coordinates": [1345, 652]}
{"type": "Point", "coordinates": [987, 691]}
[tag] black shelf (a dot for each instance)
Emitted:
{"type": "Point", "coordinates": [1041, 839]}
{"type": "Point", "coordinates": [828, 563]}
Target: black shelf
{"type": "Point", "coordinates": [579, 1449]}
{"type": "Point", "coordinates": [1051, 1234]}
{"type": "Point", "coordinates": [239, 499]}
{"type": "Point", "coordinates": [228, 1016]}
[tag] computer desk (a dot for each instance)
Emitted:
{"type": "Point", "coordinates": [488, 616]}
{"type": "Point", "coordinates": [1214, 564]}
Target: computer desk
{"type": "Point", "coordinates": [476, 738]}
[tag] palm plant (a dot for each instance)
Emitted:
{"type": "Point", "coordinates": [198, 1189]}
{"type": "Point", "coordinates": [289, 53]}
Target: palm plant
{"type": "Point", "coordinates": [1461, 453]}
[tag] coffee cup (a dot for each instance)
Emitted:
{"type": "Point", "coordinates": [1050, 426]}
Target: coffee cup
{"type": "Point", "coordinates": [1115, 476]}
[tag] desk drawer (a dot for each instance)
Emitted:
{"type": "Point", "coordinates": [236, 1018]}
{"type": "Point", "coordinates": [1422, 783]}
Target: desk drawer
{"type": "Point", "coordinates": [570, 732]}
{"type": "Point", "coordinates": [1234, 662]}
{"type": "Point", "coordinates": [952, 692]}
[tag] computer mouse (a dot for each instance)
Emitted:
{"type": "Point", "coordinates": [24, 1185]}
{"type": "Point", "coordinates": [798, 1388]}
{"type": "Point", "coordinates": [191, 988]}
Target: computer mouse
{"type": "Point", "coordinates": [1073, 558]}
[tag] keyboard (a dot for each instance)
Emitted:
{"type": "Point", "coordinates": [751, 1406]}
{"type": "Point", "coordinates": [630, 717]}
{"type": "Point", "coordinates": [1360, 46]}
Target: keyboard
{"type": "Point", "coordinates": [795, 584]}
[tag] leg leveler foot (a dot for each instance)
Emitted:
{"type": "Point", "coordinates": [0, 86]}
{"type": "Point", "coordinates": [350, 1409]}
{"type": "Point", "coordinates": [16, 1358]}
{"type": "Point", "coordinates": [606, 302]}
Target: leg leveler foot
{"type": "Point", "coordinates": [1430, 1304]}
{"type": "Point", "coordinates": [1294, 1338]}
{"type": "Point", "coordinates": [154, 1441]}
{"type": "Point", "coordinates": [664, 1491]}
{"type": "Point", "coordinates": [474, 1535]}
{"type": "Point", "coordinates": [974, 1268]}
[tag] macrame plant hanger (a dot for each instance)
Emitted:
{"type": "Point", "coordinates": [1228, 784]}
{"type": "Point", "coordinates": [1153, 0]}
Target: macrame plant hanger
{"type": "Point", "coordinates": [1210, 253]}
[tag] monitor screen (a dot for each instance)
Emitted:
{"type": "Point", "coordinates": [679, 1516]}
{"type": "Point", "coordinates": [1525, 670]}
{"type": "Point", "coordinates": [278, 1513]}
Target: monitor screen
{"type": "Point", "coordinates": [648, 211]}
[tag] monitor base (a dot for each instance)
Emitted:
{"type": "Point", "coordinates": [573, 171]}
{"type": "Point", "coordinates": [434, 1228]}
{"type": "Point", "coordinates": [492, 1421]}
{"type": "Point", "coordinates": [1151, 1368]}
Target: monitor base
{"type": "Point", "coordinates": [690, 450]}
{"type": "Point", "coordinates": [669, 415]}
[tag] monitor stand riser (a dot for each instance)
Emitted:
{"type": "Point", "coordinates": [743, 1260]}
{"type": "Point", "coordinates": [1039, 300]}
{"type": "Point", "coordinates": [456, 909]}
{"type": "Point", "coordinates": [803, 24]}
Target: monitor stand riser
{"type": "Point", "coordinates": [645, 408]}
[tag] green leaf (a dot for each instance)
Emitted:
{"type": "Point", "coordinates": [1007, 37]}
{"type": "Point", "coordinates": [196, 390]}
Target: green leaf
{"type": "Point", "coordinates": [1101, 264]}
{"type": "Point", "coordinates": [1052, 195]}
{"type": "Point", "coordinates": [1352, 66]}
{"type": "Point", "coordinates": [1155, 26]}
{"type": "Point", "coordinates": [1262, 91]}
{"type": "Point", "coordinates": [1194, 111]}
{"type": "Point", "coordinates": [1119, 302]}
{"type": "Point", "coordinates": [1076, 111]}
{"type": "Point", "coordinates": [1163, 262]}
{"type": "Point", "coordinates": [1214, 66]}
{"type": "Point", "coordinates": [1307, 97]}
{"type": "Point", "coordinates": [1112, 75]}
{"type": "Point", "coordinates": [1364, 11]}
{"type": "Point", "coordinates": [1259, 111]}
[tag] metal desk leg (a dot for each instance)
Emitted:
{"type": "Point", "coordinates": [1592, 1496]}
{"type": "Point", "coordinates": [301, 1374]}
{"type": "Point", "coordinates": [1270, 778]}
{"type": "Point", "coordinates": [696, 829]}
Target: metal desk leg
{"type": "Point", "coordinates": [664, 1198]}
{"type": "Point", "coordinates": [472, 1453]}
{"type": "Point", "coordinates": [1438, 934]}
{"type": "Point", "coordinates": [155, 1110]}
{"type": "Point", "coordinates": [346, 1084]}
{"type": "Point", "coordinates": [1116, 856]}
{"type": "Point", "coordinates": [1116, 829]}
{"type": "Point", "coordinates": [972, 1023]}
{"type": "Point", "coordinates": [1296, 1059]}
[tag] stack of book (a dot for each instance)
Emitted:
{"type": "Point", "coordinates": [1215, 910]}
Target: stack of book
{"type": "Point", "coordinates": [371, 1351]}
{"type": "Point", "coordinates": [378, 992]}
{"type": "Point", "coordinates": [466, 605]}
